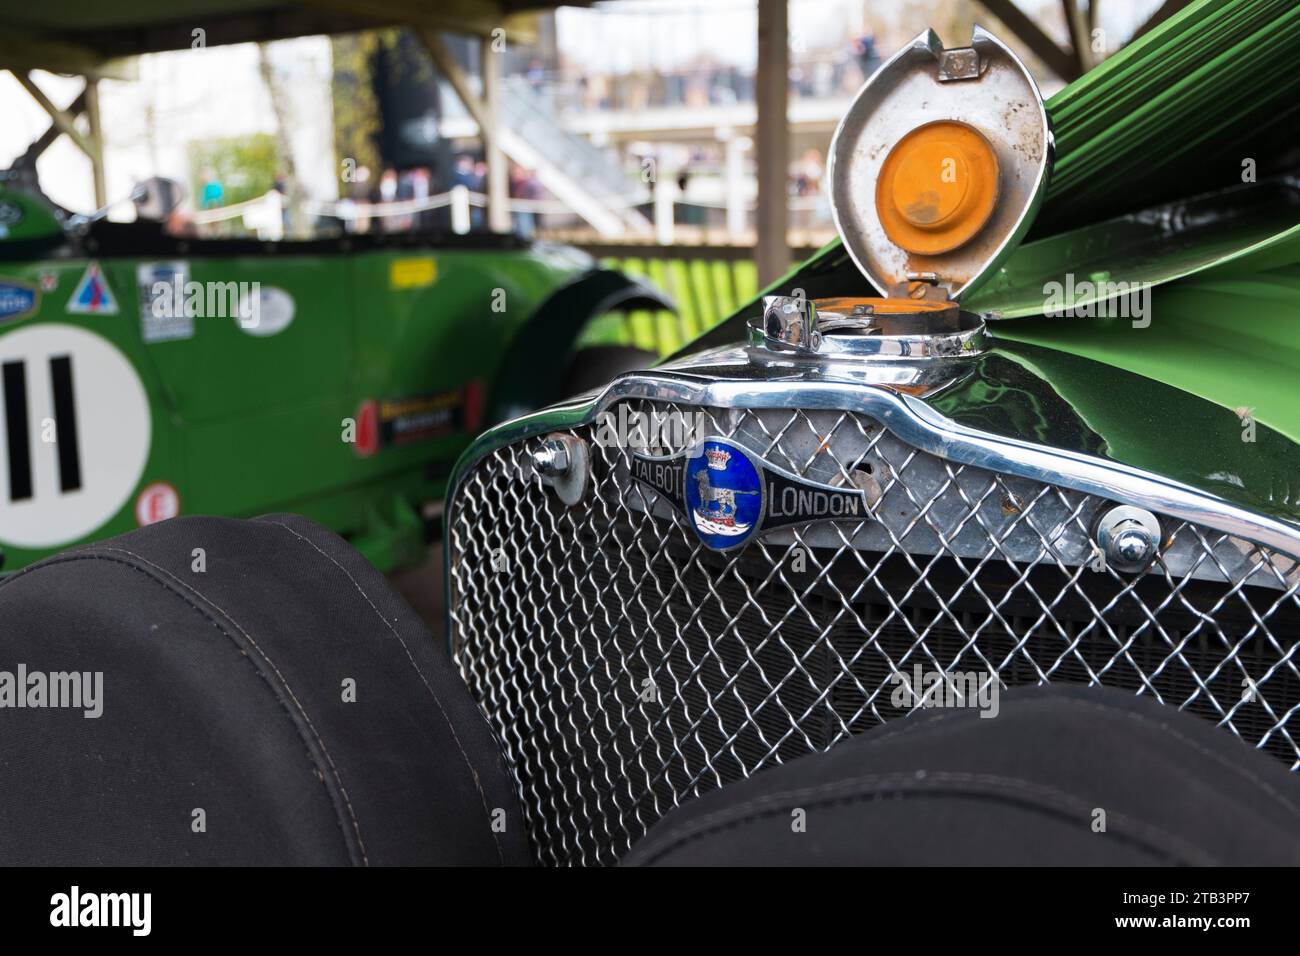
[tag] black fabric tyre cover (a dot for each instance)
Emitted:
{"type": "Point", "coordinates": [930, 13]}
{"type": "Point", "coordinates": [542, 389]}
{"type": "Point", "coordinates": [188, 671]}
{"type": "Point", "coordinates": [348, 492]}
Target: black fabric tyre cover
{"type": "Point", "coordinates": [947, 787]}
{"type": "Point", "coordinates": [226, 735]}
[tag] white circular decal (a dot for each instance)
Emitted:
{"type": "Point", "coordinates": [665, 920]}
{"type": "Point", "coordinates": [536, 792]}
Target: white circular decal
{"type": "Point", "coordinates": [74, 434]}
{"type": "Point", "coordinates": [273, 313]}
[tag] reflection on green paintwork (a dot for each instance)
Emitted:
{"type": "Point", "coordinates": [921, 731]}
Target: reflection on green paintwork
{"type": "Point", "coordinates": [1230, 337]}
{"type": "Point", "coordinates": [1254, 228]}
{"type": "Point", "coordinates": [1069, 401]}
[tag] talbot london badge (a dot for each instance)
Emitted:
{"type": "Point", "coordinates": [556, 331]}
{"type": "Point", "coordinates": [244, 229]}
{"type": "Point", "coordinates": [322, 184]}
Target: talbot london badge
{"type": "Point", "coordinates": [728, 495]}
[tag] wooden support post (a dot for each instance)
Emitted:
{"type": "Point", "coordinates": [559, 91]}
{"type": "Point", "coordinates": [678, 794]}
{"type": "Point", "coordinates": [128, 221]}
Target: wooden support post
{"type": "Point", "coordinates": [498, 179]}
{"type": "Point", "coordinates": [484, 112]}
{"type": "Point", "coordinates": [96, 138]}
{"type": "Point", "coordinates": [772, 140]}
{"type": "Point", "coordinates": [1076, 20]}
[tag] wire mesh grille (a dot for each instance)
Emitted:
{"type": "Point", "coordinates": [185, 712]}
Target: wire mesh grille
{"type": "Point", "coordinates": [627, 669]}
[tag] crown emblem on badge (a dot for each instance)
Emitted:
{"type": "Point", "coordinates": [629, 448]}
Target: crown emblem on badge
{"type": "Point", "coordinates": [718, 458]}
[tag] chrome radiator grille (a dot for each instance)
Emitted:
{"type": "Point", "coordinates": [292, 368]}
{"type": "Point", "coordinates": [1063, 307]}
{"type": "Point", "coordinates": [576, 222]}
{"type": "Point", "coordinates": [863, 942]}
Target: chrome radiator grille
{"type": "Point", "coordinates": [627, 669]}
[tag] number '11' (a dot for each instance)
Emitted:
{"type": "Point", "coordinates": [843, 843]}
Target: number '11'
{"type": "Point", "coordinates": [14, 376]}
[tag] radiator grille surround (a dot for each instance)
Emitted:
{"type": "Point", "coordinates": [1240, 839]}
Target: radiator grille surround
{"type": "Point", "coordinates": [627, 669]}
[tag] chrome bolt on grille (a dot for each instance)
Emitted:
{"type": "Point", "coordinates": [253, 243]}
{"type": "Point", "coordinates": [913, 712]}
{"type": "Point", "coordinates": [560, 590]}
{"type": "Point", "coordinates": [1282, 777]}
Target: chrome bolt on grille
{"type": "Point", "coordinates": [627, 669]}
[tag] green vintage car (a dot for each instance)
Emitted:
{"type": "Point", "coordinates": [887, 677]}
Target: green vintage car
{"type": "Point", "coordinates": [373, 363]}
{"type": "Point", "coordinates": [1032, 420]}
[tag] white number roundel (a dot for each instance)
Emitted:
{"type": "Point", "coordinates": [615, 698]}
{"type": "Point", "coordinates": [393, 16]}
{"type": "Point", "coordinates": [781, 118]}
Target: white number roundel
{"type": "Point", "coordinates": [74, 434]}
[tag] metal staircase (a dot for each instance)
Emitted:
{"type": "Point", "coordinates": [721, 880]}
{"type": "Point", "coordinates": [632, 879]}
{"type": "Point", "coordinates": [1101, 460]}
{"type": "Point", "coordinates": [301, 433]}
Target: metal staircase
{"type": "Point", "coordinates": [578, 173]}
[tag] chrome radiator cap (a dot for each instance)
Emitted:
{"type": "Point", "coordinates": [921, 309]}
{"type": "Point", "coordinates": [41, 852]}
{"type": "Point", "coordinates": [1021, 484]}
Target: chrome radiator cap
{"type": "Point", "coordinates": [850, 332]}
{"type": "Point", "coordinates": [936, 171]}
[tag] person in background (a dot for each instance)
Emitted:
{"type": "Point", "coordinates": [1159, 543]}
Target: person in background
{"type": "Point", "coordinates": [386, 192]}
{"type": "Point", "coordinates": [421, 179]}
{"type": "Point", "coordinates": [462, 173]}
{"type": "Point", "coordinates": [466, 174]}
{"type": "Point", "coordinates": [405, 192]}
{"type": "Point", "coordinates": [864, 48]}
{"type": "Point", "coordinates": [536, 74]}
{"type": "Point", "coordinates": [806, 178]}
{"type": "Point", "coordinates": [524, 185]}
{"type": "Point", "coordinates": [213, 194]}
{"type": "Point", "coordinates": [280, 184]}
{"type": "Point", "coordinates": [808, 174]}
{"type": "Point", "coordinates": [359, 190]}
{"type": "Point", "coordinates": [476, 214]}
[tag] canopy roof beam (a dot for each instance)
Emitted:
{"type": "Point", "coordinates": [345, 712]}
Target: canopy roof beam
{"type": "Point", "coordinates": [46, 38]}
{"type": "Point", "coordinates": [53, 132]}
{"type": "Point", "coordinates": [1166, 10]}
{"type": "Point", "coordinates": [1064, 63]}
{"type": "Point", "coordinates": [64, 121]}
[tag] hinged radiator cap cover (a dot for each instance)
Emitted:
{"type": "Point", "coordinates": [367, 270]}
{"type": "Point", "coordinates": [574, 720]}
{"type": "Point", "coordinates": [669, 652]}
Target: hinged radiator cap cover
{"type": "Point", "coordinates": [940, 164]}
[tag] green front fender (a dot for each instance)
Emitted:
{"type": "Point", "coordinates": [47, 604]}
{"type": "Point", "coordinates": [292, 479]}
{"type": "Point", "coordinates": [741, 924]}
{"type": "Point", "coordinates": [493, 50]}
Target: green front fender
{"type": "Point", "coordinates": [534, 367]}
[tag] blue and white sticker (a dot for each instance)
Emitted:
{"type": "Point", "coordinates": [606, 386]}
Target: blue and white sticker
{"type": "Point", "coordinates": [164, 316]}
{"type": "Point", "coordinates": [92, 296]}
{"type": "Point", "coordinates": [17, 300]}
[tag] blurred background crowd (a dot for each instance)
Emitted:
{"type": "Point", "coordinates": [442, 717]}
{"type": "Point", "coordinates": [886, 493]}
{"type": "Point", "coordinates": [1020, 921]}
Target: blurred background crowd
{"type": "Point", "coordinates": [630, 120]}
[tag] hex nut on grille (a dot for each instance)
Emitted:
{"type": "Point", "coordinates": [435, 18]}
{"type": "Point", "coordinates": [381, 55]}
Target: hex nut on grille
{"type": "Point", "coordinates": [551, 459]}
{"type": "Point", "coordinates": [562, 462]}
{"type": "Point", "coordinates": [1129, 537]}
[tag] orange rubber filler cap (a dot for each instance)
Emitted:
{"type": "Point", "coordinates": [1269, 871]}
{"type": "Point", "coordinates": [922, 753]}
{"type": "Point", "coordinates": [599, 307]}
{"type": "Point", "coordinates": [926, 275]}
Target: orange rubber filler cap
{"type": "Point", "coordinates": [937, 187]}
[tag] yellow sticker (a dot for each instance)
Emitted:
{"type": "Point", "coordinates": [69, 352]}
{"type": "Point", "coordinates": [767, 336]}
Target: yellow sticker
{"type": "Point", "coordinates": [412, 273]}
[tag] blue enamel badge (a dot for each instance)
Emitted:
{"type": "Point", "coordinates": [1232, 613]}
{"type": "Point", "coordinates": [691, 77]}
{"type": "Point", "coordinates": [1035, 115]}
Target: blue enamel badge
{"type": "Point", "coordinates": [728, 495]}
{"type": "Point", "coordinates": [724, 495]}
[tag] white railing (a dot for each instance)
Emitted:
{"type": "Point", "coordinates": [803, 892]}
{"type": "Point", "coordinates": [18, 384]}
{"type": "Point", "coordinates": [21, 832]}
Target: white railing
{"type": "Point", "coordinates": [264, 215]}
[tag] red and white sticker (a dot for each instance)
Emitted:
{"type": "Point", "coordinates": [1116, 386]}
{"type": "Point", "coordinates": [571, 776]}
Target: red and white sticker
{"type": "Point", "coordinates": [157, 502]}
